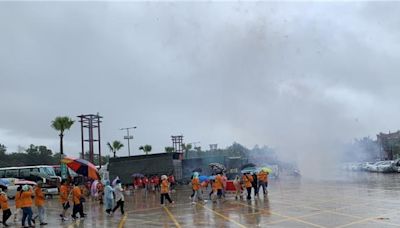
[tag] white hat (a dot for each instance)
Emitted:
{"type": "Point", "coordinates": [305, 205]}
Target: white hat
{"type": "Point", "coordinates": [164, 177]}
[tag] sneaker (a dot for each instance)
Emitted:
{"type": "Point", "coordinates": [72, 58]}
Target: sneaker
{"type": "Point", "coordinates": [43, 223]}
{"type": "Point", "coordinates": [193, 202]}
{"type": "Point", "coordinates": [162, 205]}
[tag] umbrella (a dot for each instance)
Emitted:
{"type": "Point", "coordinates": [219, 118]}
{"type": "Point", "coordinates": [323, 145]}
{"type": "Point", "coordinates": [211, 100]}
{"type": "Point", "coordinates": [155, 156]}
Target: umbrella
{"type": "Point", "coordinates": [203, 178]}
{"type": "Point", "coordinates": [114, 182]}
{"type": "Point", "coordinates": [4, 182]}
{"type": "Point", "coordinates": [82, 167]}
{"type": "Point", "coordinates": [93, 188]}
{"type": "Point", "coordinates": [211, 178]}
{"type": "Point", "coordinates": [199, 170]}
{"type": "Point", "coordinates": [217, 167]}
{"type": "Point", "coordinates": [266, 169]}
{"type": "Point", "coordinates": [248, 165]}
{"type": "Point", "coordinates": [137, 175]}
{"type": "Point", "coordinates": [249, 170]}
{"type": "Point", "coordinates": [24, 182]}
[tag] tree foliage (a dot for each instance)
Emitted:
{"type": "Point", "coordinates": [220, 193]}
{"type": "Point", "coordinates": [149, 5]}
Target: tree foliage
{"type": "Point", "coordinates": [169, 149]}
{"type": "Point", "coordinates": [61, 124]}
{"type": "Point", "coordinates": [146, 149]}
{"type": "Point", "coordinates": [115, 146]}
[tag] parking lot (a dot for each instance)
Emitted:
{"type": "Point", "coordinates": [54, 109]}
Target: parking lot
{"type": "Point", "coordinates": [356, 200]}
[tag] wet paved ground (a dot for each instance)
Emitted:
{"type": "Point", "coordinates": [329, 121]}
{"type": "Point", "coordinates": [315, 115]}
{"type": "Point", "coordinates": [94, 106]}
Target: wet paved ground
{"type": "Point", "coordinates": [355, 200]}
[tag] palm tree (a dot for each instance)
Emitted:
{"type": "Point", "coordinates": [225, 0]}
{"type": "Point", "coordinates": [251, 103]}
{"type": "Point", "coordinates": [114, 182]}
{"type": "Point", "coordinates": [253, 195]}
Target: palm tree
{"type": "Point", "coordinates": [146, 149]}
{"type": "Point", "coordinates": [169, 149]}
{"type": "Point", "coordinates": [116, 146]}
{"type": "Point", "coordinates": [62, 123]}
{"type": "Point", "coordinates": [186, 147]}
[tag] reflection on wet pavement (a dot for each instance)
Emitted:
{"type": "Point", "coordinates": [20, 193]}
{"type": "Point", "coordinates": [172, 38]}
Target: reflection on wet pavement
{"type": "Point", "coordinates": [354, 200]}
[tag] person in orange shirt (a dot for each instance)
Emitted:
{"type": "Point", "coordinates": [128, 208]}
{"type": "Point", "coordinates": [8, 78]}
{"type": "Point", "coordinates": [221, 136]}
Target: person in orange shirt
{"type": "Point", "coordinates": [165, 190]}
{"type": "Point", "coordinates": [17, 202]}
{"type": "Point", "coordinates": [76, 198]}
{"type": "Point", "coordinates": [4, 205]}
{"type": "Point", "coordinates": [263, 181]}
{"type": "Point", "coordinates": [196, 188]}
{"type": "Point", "coordinates": [26, 205]}
{"type": "Point", "coordinates": [247, 180]}
{"type": "Point", "coordinates": [64, 195]}
{"type": "Point", "coordinates": [219, 185]}
{"type": "Point", "coordinates": [39, 203]}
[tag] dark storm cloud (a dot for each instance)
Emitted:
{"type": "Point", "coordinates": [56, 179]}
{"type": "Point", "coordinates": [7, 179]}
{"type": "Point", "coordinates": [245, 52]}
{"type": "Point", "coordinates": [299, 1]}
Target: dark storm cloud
{"type": "Point", "coordinates": [302, 77]}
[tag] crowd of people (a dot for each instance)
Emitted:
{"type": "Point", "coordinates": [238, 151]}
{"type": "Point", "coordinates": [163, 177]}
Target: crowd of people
{"type": "Point", "coordinates": [218, 185]}
{"type": "Point", "coordinates": [25, 199]}
{"type": "Point", "coordinates": [112, 196]}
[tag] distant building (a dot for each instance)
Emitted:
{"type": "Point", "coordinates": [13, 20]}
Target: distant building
{"type": "Point", "coordinates": [152, 164]}
{"type": "Point", "coordinates": [389, 145]}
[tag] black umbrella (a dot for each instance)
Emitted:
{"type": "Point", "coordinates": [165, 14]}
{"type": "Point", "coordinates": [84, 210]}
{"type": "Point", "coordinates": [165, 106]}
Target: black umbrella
{"type": "Point", "coordinates": [248, 165]}
{"type": "Point", "coordinates": [199, 170]}
{"type": "Point", "coordinates": [217, 167]}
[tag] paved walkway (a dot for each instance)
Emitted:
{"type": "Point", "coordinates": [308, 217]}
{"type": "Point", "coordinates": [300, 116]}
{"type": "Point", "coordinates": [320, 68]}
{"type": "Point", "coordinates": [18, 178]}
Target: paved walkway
{"type": "Point", "coordinates": [367, 201]}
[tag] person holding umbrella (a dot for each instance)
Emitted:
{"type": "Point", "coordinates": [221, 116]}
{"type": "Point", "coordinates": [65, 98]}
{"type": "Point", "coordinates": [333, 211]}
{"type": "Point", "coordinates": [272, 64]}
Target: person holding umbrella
{"type": "Point", "coordinates": [4, 205]}
{"type": "Point", "coordinates": [247, 180]}
{"type": "Point", "coordinates": [263, 181]}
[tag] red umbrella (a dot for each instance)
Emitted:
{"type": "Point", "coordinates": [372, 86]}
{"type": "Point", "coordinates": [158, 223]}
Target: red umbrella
{"type": "Point", "coordinates": [82, 167]}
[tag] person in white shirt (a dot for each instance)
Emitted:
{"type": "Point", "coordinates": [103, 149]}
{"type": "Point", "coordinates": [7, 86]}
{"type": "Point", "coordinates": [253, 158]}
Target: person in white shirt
{"type": "Point", "coordinates": [119, 197]}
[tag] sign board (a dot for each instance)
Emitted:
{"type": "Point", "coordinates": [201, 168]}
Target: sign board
{"type": "Point", "coordinates": [64, 171]}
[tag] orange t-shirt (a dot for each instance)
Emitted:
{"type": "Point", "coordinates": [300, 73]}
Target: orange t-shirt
{"type": "Point", "coordinates": [4, 202]}
{"type": "Point", "coordinates": [218, 182]}
{"type": "Point", "coordinates": [18, 200]}
{"type": "Point", "coordinates": [26, 199]}
{"type": "Point", "coordinates": [164, 186]}
{"type": "Point", "coordinates": [63, 194]}
{"type": "Point", "coordinates": [262, 176]}
{"type": "Point", "coordinates": [39, 197]}
{"type": "Point", "coordinates": [76, 195]}
{"type": "Point", "coordinates": [247, 179]}
{"type": "Point", "coordinates": [195, 184]}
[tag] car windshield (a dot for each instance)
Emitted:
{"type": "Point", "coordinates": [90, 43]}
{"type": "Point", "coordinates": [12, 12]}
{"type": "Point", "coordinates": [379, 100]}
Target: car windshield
{"type": "Point", "coordinates": [48, 171]}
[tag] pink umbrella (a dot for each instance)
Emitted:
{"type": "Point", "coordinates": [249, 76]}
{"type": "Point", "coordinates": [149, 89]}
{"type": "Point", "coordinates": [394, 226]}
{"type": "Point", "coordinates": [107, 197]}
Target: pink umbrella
{"type": "Point", "coordinates": [24, 182]}
{"type": "Point", "coordinates": [93, 189]}
{"type": "Point", "coordinates": [114, 182]}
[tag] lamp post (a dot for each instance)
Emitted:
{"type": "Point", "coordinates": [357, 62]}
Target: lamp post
{"type": "Point", "coordinates": [128, 137]}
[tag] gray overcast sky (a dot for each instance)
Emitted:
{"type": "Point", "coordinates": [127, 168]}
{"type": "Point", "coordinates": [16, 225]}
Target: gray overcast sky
{"type": "Point", "coordinates": [295, 76]}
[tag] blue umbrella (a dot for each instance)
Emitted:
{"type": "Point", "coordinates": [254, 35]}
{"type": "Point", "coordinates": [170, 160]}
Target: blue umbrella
{"type": "Point", "coordinates": [4, 182]}
{"type": "Point", "coordinates": [203, 178]}
{"type": "Point", "coordinates": [211, 178]}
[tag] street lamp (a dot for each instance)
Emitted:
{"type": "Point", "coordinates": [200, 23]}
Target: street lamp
{"type": "Point", "coordinates": [128, 137]}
